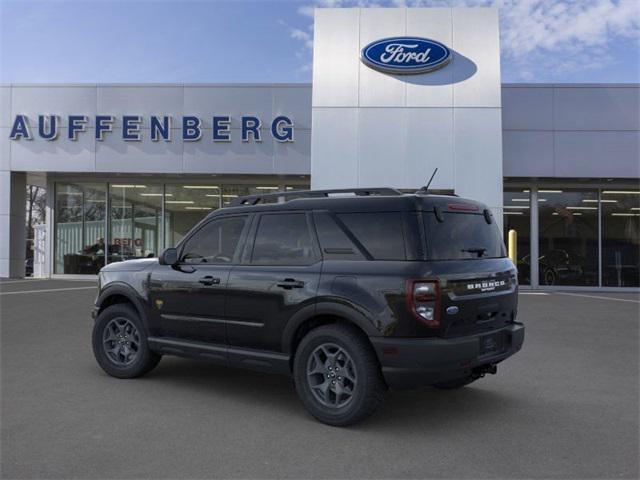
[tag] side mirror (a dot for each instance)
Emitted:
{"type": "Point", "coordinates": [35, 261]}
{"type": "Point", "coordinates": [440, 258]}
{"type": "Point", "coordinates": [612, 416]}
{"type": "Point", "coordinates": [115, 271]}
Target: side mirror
{"type": "Point", "coordinates": [169, 256]}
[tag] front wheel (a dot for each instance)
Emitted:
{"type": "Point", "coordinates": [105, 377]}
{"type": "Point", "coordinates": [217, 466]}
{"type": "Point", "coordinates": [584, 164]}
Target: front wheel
{"type": "Point", "coordinates": [337, 375]}
{"type": "Point", "coordinates": [120, 343]}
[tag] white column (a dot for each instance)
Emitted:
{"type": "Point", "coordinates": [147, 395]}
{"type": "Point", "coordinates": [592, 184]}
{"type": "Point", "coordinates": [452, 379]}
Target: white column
{"type": "Point", "coordinates": [12, 223]}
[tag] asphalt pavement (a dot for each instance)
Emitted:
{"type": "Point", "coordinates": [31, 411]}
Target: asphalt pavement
{"type": "Point", "coordinates": [566, 406]}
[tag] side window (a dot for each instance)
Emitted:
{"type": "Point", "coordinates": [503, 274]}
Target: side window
{"type": "Point", "coordinates": [283, 239]}
{"type": "Point", "coordinates": [380, 233]}
{"type": "Point", "coordinates": [216, 242]}
{"type": "Point", "coordinates": [335, 243]}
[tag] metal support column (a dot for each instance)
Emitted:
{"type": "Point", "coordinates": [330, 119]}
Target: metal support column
{"type": "Point", "coordinates": [535, 251]}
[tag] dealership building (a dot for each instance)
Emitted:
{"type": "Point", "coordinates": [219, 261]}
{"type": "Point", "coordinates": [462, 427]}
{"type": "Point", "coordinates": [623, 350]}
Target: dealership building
{"type": "Point", "coordinates": [396, 93]}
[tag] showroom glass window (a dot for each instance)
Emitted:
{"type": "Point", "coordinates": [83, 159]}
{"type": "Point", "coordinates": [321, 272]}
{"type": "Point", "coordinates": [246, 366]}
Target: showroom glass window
{"type": "Point", "coordinates": [568, 236]}
{"type": "Point", "coordinates": [184, 206]}
{"type": "Point", "coordinates": [134, 221]}
{"type": "Point", "coordinates": [517, 216]}
{"type": "Point", "coordinates": [80, 213]}
{"type": "Point", "coordinates": [620, 237]}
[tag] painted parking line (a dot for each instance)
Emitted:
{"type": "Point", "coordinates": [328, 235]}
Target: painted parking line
{"type": "Point", "coordinates": [9, 282]}
{"type": "Point", "coordinates": [532, 293]}
{"type": "Point", "coordinates": [48, 290]}
{"type": "Point", "coordinates": [598, 297]}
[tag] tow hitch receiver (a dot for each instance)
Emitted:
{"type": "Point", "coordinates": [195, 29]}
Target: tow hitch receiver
{"type": "Point", "coordinates": [483, 370]}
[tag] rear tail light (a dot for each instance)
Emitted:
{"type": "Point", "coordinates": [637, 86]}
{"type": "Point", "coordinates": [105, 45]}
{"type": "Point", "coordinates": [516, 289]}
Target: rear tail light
{"type": "Point", "coordinates": [423, 299]}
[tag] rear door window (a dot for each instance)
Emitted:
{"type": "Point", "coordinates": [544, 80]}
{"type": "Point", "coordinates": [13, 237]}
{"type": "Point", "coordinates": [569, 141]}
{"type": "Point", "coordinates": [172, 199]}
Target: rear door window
{"type": "Point", "coordinates": [381, 234]}
{"type": "Point", "coordinates": [283, 239]}
{"type": "Point", "coordinates": [462, 236]}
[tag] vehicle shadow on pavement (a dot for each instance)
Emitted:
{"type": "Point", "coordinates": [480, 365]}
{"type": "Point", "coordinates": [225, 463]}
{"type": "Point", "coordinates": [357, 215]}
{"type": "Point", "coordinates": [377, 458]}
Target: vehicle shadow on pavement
{"type": "Point", "coordinates": [417, 408]}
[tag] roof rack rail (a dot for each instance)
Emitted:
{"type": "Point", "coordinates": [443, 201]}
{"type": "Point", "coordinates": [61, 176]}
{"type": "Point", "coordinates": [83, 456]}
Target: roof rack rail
{"type": "Point", "coordinates": [360, 192]}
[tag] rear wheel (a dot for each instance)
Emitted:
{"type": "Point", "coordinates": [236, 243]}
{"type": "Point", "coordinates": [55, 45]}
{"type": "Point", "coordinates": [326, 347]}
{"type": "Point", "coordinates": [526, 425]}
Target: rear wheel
{"type": "Point", "coordinates": [337, 375]}
{"type": "Point", "coordinates": [120, 343]}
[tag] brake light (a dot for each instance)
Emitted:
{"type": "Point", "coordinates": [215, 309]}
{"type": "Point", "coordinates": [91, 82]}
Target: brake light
{"type": "Point", "coordinates": [462, 207]}
{"type": "Point", "coordinates": [423, 300]}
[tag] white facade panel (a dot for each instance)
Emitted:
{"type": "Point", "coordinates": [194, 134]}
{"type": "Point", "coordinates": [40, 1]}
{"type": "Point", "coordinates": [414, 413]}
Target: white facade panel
{"type": "Point", "coordinates": [478, 154]}
{"type": "Point", "coordinates": [528, 153]}
{"type": "Point", "coordinates": [113, 154]}
{"type": "Point", "coordinates": [476, 62]}
{"type": "Point", "coordinates": [144, 101]}
{"type": "Point", "coordinates": [597, 154]}
{"type": "Point", "coordinates": [336, 41]}
{"type": "Point", "coordinates": [62, 155]}
{"type": "Point", "coordinates": [379, 89]}
{"type": "Point", "coordinates": [338, 149]}
{"type": "Point", "coordinates": [293, 157]}
{"type": "Point", "coordinates": [5, 149]}
{"type": "Point", "coordinates": [594, 130]}
{"type": "Point", "coordinates": [228, 157]}
{"type": "Point", "coordinates": [429, 145]}
{"type": "Point", "coordinates": [205, 102]}
{"type": "Point", "coordinates": [440, 83]}
{"type": "Point", "coordinates": [294, 102]}
{"type": "Point", "coordinates": [407, 124]}
{"type": "Point", "coordinates": [382, 150]}
{"type": "Point", "coordinates": [585, 108]}
{"type": "Point", "coordinates": [63, 101]}
{"type": "Point", "coordinates": [527, 108]}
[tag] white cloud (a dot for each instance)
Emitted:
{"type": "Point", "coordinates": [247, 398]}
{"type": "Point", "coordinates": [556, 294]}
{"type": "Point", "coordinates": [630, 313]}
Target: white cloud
{"type": "Point", "coordinates": [305, 37]}
{"type": "Point", "coordinates": [577, 32]}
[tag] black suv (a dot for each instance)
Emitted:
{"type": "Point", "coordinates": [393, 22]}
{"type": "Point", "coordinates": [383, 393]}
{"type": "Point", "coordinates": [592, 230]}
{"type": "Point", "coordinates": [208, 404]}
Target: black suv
{"type": "Point", "coordinates": [349, 292]}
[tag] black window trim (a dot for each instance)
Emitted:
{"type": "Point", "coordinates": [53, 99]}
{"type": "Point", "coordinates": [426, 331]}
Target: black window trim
{"type": "Point", "coordinates": [207, 221]}
{"type": "Point", "coordinates": [247, 256]}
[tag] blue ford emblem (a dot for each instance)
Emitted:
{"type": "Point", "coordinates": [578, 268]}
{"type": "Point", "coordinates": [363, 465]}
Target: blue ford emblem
{"type": "Point", "coordinates": [405, 55]}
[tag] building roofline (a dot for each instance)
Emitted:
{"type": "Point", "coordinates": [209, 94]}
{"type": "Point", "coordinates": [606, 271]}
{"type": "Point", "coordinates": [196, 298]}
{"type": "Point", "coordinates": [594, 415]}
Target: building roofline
{"type": "Point", "coordinates": [144, 85]}
{"type": "Point", "coordinates": [293, 85]}
{"type": "Point", "coordinates": [571, 85]}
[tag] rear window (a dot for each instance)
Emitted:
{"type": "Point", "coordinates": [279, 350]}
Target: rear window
{"type": "Point", "coordinates": [462, 236]}
{"type": "Point", "coordinates": [379, 233]}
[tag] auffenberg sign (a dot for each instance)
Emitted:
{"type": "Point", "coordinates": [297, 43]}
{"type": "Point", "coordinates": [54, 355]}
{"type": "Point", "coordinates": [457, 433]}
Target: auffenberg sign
{"type": "Point", "coordinates": [159, 128]}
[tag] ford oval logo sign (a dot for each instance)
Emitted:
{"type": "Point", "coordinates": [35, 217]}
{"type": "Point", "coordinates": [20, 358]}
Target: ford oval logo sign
{"type": "Point", "coordinates": [405, 55]}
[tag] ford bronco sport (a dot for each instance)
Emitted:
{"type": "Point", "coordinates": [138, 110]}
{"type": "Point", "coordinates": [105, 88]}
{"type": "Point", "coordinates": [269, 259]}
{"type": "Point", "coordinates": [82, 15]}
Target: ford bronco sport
{"type": "Point", "coordinates": [349, 292]}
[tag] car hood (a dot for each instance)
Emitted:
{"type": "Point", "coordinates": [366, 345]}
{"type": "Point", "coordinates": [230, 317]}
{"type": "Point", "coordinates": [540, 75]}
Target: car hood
{"type": "Point", "coordinates": [130, 265]}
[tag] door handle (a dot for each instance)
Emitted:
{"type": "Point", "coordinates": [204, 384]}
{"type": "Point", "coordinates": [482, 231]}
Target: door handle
{"type": "Point", "coordinates": [209, 280]}
{"type": "Point", "coordinates": [289, 283]}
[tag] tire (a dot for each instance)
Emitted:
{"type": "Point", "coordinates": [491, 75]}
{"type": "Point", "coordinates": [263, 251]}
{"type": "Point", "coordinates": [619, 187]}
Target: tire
{"type": "Point", "coordinates": [454, 384]}
{"type": "Point", "coordinates": [359, 387]}
{"type": "Point", "coordinates": [550, 277]}
{"type": "Point", "coordinates": [130, 356]}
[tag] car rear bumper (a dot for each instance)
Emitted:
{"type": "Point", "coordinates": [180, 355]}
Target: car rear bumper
{"type": "Point", "coordinates": [415, 362]}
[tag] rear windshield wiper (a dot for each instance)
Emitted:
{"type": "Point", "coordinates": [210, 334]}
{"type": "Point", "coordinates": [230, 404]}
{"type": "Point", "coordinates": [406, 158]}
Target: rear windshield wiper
{"type": "Point", "coordinates": [479, 250]}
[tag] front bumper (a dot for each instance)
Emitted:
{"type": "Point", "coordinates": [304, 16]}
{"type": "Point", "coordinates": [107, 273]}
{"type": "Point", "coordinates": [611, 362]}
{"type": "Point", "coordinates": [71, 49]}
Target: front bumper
{"type": "Point", "coordinates": [416, 362]}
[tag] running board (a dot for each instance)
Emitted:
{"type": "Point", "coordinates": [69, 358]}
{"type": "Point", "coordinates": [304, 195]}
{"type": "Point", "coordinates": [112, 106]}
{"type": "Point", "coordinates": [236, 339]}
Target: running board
{"type": "Point", "coordinates": [260, 360]}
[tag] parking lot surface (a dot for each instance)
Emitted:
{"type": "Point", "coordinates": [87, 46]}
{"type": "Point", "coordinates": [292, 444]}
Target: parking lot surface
{"type": "Point", "coordinates": [565, 406]}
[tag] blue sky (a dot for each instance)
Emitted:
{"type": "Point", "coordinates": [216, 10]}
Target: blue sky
{"type": "Point", "coordinates": [270, 41]}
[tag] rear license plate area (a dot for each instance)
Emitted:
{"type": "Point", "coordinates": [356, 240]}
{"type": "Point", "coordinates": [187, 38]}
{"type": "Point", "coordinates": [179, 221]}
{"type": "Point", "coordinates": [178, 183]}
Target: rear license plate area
{"type": "Point", "coordinates": [491, 344]}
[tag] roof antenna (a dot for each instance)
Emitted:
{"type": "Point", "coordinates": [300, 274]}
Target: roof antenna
{"type": "Point", "coordinates": [425, 189]}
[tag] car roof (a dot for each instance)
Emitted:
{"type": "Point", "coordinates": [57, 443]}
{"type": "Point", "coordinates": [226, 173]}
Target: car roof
{"type": "Point", "coordinates": [364, 204]}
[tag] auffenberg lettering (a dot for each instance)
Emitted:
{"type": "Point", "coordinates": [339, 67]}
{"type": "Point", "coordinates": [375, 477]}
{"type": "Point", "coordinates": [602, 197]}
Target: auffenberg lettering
{"type": "Point", "coordinates": [134, 128]}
